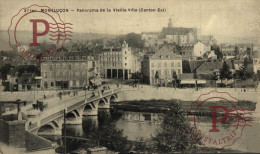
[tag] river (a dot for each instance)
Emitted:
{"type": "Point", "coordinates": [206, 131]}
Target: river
{"type": "Point", "coordinates": [137, 125]}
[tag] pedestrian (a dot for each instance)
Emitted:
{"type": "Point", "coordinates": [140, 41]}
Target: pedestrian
{"type": "Point", "coordinates": [60, 94]}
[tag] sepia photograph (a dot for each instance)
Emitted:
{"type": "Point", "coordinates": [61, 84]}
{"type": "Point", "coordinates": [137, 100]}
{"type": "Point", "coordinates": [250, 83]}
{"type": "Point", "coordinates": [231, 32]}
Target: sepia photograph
{"type": "Point", "coordinates": [129, 76]}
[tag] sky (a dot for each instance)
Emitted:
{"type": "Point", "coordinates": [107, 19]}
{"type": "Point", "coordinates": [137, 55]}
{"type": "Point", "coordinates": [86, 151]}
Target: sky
{"type": "Point", "coordinates": [227, 20]}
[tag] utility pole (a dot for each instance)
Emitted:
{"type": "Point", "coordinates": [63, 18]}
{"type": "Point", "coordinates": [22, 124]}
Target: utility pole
{"type": "Point", "coordinates": [64, 133]}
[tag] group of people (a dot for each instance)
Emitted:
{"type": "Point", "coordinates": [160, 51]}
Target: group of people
{"type": "Point", "coordinates": [38, 105]}
{"type": "Point", "coordinates": [60, 94]}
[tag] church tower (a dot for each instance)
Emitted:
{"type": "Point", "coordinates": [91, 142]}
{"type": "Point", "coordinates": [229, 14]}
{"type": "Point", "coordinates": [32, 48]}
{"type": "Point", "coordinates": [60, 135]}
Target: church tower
{"type": "Point", "coordinates": [170, 23]}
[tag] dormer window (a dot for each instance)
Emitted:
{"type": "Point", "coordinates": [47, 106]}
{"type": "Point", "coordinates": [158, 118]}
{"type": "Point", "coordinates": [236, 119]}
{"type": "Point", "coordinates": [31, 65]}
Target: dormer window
{"type": "Point", "coordinates": [161, 56]}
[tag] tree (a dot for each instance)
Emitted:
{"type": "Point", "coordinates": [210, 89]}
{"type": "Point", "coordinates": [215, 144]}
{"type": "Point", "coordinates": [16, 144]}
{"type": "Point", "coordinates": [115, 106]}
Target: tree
{"type": "Point", "coordinates": [225, 72]}
{"type": "Point", "coordinates": [236, 51]}
{"type": "Point", "coordinates": [134, 40]}
{"type": "Point", "coordinates": [244, 71]}
{"type": "Point", "coordinates": [174, 134]}
{"type": "Point", "coordinates": [156, 76]}
{"type": "Point", "coordinates": [195, 76]}
{"type": "Point", "coordinates": [217, 51]}
{"type": "Point", "coordinates": [174, 76]}
{"type": "Point", "coordinates": [109, 136]}
{"type": "Point", "coordinates": [5, 70]}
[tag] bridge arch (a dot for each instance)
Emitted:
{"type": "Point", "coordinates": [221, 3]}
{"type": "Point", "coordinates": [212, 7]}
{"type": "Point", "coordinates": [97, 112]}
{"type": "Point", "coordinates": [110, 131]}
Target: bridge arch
{"type": "Point", "coordinates": [101, 103]}
{"type": "Point", "coordinates": [71, 115]}
{"type": "Point", "coordinates": [48, 129]}
{"type": "Point", "coordinates": [77, 113]}
{"type": "Point", "coordinates": [112, 98]}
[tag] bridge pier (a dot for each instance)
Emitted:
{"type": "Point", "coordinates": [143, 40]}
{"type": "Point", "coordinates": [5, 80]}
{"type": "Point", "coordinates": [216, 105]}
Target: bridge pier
{"type": "Point", "coordinates": [104, 106]}
{"type": "Point", "coordinates": [51, 124]}
{"type": "Point", "coordinates": [76, 121]}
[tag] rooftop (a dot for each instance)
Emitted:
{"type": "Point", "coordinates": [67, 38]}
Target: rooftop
{"type": "Point", "coordinates": [165, 54]}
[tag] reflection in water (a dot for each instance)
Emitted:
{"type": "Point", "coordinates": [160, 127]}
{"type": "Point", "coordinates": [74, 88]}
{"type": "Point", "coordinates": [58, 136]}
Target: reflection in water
{"type": "Point", "coordinates": [143, 125]}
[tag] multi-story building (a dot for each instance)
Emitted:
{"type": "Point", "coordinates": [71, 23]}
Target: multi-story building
{"type": "Point", "coordinates": [207, 39]}
{"type": "Point", "coordinates": [179, 35]}
{"type": "Point", "coordinates": [67, 70]}
{"type": "Point", "coordinates": [149, 35]}
{"type": "Point", "coordinates": [118, 62]}
{"type": "Point", "coordinates": [163, 65]}
{"type": "Point", "coordinates": [200, 49]}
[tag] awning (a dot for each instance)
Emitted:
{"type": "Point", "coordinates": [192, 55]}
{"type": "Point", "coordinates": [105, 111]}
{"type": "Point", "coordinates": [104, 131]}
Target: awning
{"type": "Point", "coordinates": [97, 82]}
{"type": "Point", "coordinates": [193, 81]}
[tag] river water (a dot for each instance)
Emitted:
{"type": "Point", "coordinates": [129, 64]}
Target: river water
{"type": "Point", "coordinates": [137, 125]}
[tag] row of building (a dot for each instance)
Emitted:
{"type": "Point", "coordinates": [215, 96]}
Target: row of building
{"type": "Point", "coordinates": [76, 70]}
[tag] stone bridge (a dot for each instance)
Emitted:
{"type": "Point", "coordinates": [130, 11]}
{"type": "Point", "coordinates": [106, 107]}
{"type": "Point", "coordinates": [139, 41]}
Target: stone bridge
{"type": "Point", "coordinates": [50, 121]}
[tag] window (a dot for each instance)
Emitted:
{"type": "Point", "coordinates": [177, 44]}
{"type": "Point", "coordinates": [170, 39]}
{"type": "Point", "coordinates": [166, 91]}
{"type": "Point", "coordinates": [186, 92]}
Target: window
{"type": "Point", "coordinates": [57, 58]}
{"type": "Point", "coordinates": [52, 84]}
{"type": "Point", "coordinates": [23, 86]}
{"type": "Point", "coordinates": [179, 71]}
{"type": "Point", "coordinates": [166, 72]}
{"type": "Point", "coordinates": [152, 65]}
{"type": "Point", "coordinates": [76, 66]}
{"type": "Point", "coordinates": [165, 64]}
{"type": "Point", "coordinates": [159, 72]}
{"type": "Point", "coordinates": [159, 64]}
{"type": "Point", "coordinates": [125, 52]}
{"type": "Point", "coordinates": [173, 71]}
{"type": "Point", "coordinates": [125, 58]}
{"type": "Point", "coordinates": [74, 82]}
{"type": "Point", "coordinates": [125, 64]}
{"type": "Point", "coordinates": [153, 73]}
{"type": "Point", "coordinates": [179, 64]}
{"type": "Point", "coordinates": [172, 64]}
{"type": "Point", "coordinates": [81, 82]}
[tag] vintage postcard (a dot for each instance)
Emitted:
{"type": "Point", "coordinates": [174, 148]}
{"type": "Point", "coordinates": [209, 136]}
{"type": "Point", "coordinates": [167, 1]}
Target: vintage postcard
{"type": "Point", "coordinates": [129, 76]}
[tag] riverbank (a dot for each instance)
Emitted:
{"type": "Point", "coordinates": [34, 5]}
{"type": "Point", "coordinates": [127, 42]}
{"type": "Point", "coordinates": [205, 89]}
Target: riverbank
{"type": "Point", "coordinates": [161, 106]}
